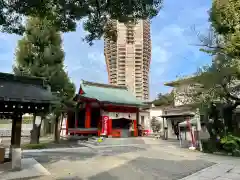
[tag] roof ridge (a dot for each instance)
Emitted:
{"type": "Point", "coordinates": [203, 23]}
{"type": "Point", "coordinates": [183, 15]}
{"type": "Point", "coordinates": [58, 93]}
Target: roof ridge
{"type": "Point", "coordinates": [104, 85]}
{"type": "Point", "coordinates": [22, 79]}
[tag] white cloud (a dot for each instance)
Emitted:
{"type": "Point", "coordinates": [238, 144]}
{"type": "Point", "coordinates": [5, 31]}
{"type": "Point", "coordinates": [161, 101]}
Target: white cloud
{"type": "Point", "coordinates": [160, 55]}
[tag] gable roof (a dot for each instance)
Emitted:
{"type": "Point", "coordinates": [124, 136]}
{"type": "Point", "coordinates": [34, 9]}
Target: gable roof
{"type": "Point", "coordinates": [178, 82]}
{"type": "Point", "coordinates": [24, 89]}
{"type": "Point", "coordinates": [108, 93]}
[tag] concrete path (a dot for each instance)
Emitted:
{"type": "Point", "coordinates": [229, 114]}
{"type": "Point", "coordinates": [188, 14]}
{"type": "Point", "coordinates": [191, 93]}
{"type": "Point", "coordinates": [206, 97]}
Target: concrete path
{"type": "Point", "coordinates": [217, 172]}
{"type": "Point", "coordinates": [30, 168]}
{"type": "Point", "coordinates": [135, 159]}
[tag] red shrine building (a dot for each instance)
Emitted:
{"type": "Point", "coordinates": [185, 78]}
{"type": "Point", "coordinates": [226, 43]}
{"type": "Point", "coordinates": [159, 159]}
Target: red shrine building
{"type": "Point", "coordinates": [104, 109]}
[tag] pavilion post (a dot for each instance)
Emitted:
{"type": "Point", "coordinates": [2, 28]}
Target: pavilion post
{"type": "Point", "coordinates": [109, 127]}
{"type": "Point", "coordinates": [88, 116]}
{"type": "Point", "coordinates": [76, 117]}
{"type": "Point", "coordinates": [67, 126]}
{"type": "Point", "coordinates": [12, 137]}
{"type": "Point", "coordinates": [16, 141]}
{"type": "Point", "coordinates": [163, 129]}
{"type": "Point", "coordinates": [166, 129]}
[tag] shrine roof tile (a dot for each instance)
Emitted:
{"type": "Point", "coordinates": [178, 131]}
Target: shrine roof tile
{"type": "Point", "coordinates": [109, 93]}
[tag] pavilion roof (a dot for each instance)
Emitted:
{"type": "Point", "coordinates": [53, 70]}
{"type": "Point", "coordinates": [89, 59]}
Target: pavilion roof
{"type": "Point", "coordinates": [106, 93]}
{"type": "Point", "coordinates": [24, 89]}
{"type": "Point", "coordinates": [184, 110]}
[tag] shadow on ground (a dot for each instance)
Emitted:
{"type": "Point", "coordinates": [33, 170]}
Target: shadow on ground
{"type": "Point", "coordinates": [51, 157]}
{"type": "Point", "coordinates": [153, 169]}
{"type": "Point", "coordinates": [78, 155]}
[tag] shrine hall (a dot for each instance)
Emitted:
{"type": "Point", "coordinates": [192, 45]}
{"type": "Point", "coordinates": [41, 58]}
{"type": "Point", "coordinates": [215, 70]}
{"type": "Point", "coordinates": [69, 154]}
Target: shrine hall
{"type": "Point", "coordinates": [104, 109]}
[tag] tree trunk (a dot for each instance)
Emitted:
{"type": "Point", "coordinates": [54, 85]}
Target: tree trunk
{"type": "Point", "coordinates": [35, 133]}
{"type": "Point", "coordinates": [62, 117]}
{"type": "Point", "coordinates": [56, 130]}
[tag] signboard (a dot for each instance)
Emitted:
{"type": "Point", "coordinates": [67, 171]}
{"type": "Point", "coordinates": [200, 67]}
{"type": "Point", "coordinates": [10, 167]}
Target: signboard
{"type": "Point", "coordinates": [105, 125]}
{"type": "Point", "coordinates": [118, 115]}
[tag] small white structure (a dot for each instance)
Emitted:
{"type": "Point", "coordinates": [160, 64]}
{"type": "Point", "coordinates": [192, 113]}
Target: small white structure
{"type": "Point", "coordinates": [144, 119]}
{"type": "Point", "coordinates": [146, 115]}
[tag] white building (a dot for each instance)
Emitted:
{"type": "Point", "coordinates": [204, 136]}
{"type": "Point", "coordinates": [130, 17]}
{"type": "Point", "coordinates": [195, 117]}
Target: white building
{"type": "Point", "coordinates": [182, 106]}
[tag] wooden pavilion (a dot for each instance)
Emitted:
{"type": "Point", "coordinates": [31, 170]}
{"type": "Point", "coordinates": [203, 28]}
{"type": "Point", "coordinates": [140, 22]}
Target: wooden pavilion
{"type": "Point", "coordinates": [20, 95]}
{"type": "Point", "coordinates": [104, 109]}
{"type": "Point", "coordinates": [173, 115]}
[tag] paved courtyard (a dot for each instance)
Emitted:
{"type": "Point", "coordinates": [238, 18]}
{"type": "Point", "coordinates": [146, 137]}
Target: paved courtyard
{"type": "Point", "coordinates": [146, 159]}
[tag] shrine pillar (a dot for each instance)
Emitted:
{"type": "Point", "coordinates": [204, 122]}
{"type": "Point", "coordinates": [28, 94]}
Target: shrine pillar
{"type": "Point", "coordinates": [110, 127]}
{"type": "Point", "coordinates": [66, 126]}
{"type": "Point", "coordinates": [88, 116]}
{"type": "Point", "coordinates": [76, 115]}
{"type": "Point", "coordinates": [135, 128]}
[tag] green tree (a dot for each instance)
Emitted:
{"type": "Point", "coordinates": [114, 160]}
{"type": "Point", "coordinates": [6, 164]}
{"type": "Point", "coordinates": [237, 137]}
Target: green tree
{"type": "Point", "coordinates": [220, 80]}
{"type": "Point", "coordinates": [40, 54]}
{"type": "Point", "coordinates": [155, 125]}
{"type": "Point", "coordinates": [164, 99]}
{"type": "Point", "coordinates": [64, 14]}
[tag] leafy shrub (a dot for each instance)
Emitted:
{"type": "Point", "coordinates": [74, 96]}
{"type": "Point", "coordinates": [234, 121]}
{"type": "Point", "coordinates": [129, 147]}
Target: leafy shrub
{"type": "Point", "coordinates": [231, 144]}
{"type": "Point", "coordinates": [35, 146]}
{"type": "Point", "coordinates": [155, 125]}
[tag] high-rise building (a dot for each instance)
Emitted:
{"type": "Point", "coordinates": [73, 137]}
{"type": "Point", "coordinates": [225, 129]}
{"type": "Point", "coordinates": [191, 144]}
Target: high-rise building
{"type": "Point", "coordinates": [128, 58]}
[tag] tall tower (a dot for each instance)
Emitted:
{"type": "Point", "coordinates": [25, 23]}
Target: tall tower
{"type": "Point", "coordinates": [128, 59]}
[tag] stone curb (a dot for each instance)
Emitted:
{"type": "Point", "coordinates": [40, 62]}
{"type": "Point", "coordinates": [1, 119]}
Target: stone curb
{"type": "Point", "coordinates": [51, 150]}
{"type": "Point", "coordinates": [75, 148]}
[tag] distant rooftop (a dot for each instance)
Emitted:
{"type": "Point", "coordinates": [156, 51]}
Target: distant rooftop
{"type": "Point", "coordinates": [180, 81]}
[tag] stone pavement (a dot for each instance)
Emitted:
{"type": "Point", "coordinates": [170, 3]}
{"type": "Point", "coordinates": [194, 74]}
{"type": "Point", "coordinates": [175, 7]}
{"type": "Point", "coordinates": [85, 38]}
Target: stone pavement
{"type": "Point", "coordinates": [217, 172]}
{"type": "Point", "coordinates": [135, 159]}
{"type": "Point", "coordinates": [143, 161]}
{"type": "Point", "coordinates": [30, 168]}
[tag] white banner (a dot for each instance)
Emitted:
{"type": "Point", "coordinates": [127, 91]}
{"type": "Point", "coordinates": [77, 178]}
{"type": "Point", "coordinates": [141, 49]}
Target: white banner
{"type": "Point", "coordinates": [117, 115]}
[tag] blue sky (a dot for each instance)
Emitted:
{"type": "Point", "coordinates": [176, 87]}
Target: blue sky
{"type": "Point", "coordinates": [174, 53]}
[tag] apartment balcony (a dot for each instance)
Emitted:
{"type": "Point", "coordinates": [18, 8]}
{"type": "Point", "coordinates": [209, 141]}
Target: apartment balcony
{"type": "Point", "coordinates": [112, 65]}
{"type": "Point", "coordinates": [121, 49]}
{"type": "Point", "coordinates": [122, 56]}
{"type": "Point", "coordinates": [138, 66]}
{"type": "Point", "coordinates": [138, 54]}
{"type": "Point", "coordinates": [121, 60]}
{"type": "Point", "coordinates": [112, 68]}
{"type": "Point", "coordinates": [138, 61]}
{"type": "Point", "coordinates": [113, 78]}
{"type": "Point", "coordinates": [113, 73]}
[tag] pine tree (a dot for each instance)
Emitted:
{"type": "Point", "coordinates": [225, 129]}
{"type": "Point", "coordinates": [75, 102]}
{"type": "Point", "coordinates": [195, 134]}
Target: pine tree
{"type": "Point", "coordinates": [40, 54]}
